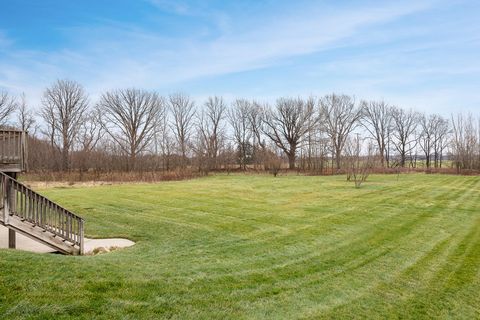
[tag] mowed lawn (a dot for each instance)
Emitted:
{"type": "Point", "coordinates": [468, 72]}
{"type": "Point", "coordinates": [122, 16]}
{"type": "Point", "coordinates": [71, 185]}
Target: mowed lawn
{"type": "Point", "coordinates": [254, 246]}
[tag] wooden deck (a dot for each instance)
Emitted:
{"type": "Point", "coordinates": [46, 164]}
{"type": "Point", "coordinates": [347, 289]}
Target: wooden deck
{"type": "Point", "coordinates": [13, 151]}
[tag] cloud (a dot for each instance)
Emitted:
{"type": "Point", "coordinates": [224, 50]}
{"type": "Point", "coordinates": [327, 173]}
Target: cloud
{"type": "Point", "coordinates": [116, 54]}
{"type": "Point", "coordinates": [257, 47]}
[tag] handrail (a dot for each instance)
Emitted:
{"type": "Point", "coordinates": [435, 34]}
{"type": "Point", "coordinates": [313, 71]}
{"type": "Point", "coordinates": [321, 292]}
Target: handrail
{"type": "Point", "coordinates": [13, 148]}
{"type": "Point", "coordinates": [28, 205]}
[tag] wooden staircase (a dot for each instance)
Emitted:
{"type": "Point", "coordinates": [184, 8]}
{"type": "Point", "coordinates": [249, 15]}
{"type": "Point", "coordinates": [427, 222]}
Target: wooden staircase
{"type": "Point", "coordinates": [29, 213]}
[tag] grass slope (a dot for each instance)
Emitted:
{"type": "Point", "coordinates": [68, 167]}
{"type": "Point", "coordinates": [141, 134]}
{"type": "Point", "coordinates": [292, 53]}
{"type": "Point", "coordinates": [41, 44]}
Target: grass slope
{"type": "Point", "coordinates": [262, 247]}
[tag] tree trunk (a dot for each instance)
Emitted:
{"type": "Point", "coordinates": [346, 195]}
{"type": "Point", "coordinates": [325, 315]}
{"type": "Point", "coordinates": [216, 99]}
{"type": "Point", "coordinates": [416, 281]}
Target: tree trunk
{"type": "Point", "coordinates": [65, 162]}
{"type": "Point", "coordinates": [382, 156]}
{"type": "Point", "coordinates": [131, 164]}
{"type": "Point", "coordinates": [338, 158]}
{"type": "Point", "coordinates": [291, 160]}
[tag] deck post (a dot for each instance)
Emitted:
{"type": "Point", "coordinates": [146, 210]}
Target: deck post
{"type": "Point", "coordinates": [11, 239]}
{"type": "Point", "coordinates": [7, 202]}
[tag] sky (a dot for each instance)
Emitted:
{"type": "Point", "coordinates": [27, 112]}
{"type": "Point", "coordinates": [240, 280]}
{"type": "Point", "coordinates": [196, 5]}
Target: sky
{"type": "Point", "coordinates": [422, 54]}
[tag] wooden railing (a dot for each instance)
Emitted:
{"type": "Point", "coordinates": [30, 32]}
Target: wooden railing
{"type": "Point", "coordinates": [13, 149]}
{"type": "Point", "coordinates": [19, 200]}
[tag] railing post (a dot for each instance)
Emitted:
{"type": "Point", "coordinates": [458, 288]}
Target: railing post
{"type": "Point", "coordinates": [11, 193]}
{"type": "Point", "coordinates": [6, 199]}
{"type": "Point", "coordinates": [24, 150]}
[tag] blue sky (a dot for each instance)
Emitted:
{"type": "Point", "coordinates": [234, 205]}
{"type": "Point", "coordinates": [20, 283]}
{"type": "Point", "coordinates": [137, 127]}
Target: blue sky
{"type": "Point", "coordinates": [416, 54]}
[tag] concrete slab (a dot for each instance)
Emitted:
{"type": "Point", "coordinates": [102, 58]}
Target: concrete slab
{"type": "Point", "coordinates": [23, 242]}
{"type": "Point", "coordinates": [27, 244]}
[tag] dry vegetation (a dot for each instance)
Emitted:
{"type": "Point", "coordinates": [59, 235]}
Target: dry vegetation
{"type": "Point", "coordinates": [133, 134]}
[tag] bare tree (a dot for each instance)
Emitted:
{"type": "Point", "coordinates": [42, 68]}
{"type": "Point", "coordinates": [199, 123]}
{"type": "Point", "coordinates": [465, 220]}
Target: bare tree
{"type": "Point", "coordinates": [25, 119]}
{"type": "Point", "coordinates": [47, 113]}
{"type": "Point", "coordinates": [163, 139]}
{"type": "Point", "coordinates": [273, 162]}
{"type": "Point", "coordinates": [358, 165]}
{"type": "Point", "coordinates": [404, 125]}
{"type": "Point", "coordinates": [211, 128]}
{"type": "Point", "coordinates": [433, 138]}
{"type": "Point", "coordinates": [425, 139]}
{"type": "Point", "coordinates": [288, 124]}
{"type": "Point", "coordinates": [182, 108]}
{"type": "Point", "coordinates": [227, 157]}
{"type": "Point", "coordinates": [7, 106]}
{"type": "Point", "coordinates": [64, 106]}
{"type": "Point", "coordinates": [466, 142]}
{"type": "Point", "coordinates": [377, 120]}
{"type": "Point", "coordinates": [162, 142]}
{"type": "Point", "coordinates": [238, 118]}
{"type": "Point", "coordinates": [89, 135]}
{"type": "Point", "coordinates": [128, 116]}
{"type": "Point", "coordinates": [339, 118]}
{"type": "Point", "coordinates": [441, 130]}
{"type": "Point", "coordinates": [255, 117]}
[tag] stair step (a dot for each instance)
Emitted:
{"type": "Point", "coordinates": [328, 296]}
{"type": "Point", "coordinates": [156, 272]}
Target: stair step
{"type": "Point", "coordinates": [41, 235]}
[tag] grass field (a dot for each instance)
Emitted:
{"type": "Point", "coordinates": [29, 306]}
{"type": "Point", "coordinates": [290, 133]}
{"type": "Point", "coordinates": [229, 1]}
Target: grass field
{"type": "Point", "coordinates": [261, 247]}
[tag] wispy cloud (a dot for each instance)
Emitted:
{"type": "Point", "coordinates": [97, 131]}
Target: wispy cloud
{"type": "Point", "coordinates": [159, 60]}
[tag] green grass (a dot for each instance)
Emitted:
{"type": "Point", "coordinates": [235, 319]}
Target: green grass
{"type": "Point", "coordinates": [245, 247]}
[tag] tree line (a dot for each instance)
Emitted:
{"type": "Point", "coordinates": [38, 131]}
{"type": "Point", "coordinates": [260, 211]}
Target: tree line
{"type": "Point", "coordinates": [141, 130]}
